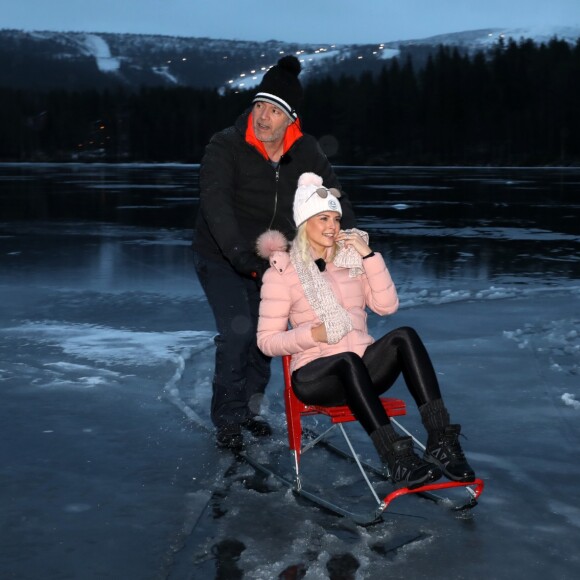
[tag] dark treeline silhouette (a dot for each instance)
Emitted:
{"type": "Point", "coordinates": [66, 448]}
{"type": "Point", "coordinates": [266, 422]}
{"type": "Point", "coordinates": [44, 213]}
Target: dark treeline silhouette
{"type": "Point", "coordinates": [515, 105]}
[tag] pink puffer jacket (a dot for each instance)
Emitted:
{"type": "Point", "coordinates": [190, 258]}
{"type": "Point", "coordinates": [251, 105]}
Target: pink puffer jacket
{"type": "Point", "coordinates": [283, 302]}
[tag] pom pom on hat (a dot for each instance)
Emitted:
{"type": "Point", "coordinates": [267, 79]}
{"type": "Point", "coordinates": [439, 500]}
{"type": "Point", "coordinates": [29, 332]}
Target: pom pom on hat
{"type": "Point", "coordinates": [308, 203]}
{"type": "Point", "coordinates": [281, 87]}
{"type": "Point", "coordinates": [269, 242]}
{"type": "Point", "coordinates": [310, 179]}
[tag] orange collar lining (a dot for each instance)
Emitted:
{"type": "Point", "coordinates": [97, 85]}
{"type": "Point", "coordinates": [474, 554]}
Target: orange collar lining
{"type": "Point", "coordinates": [293, 133]}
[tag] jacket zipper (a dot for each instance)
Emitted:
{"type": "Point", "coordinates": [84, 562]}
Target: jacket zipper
{"type": "Point", "coordinates": [275, 196]}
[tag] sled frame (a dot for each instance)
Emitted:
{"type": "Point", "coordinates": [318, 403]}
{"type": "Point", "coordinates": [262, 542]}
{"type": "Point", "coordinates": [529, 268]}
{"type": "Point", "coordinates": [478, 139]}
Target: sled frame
{"type": "Point", "coordinates": [394, 407]}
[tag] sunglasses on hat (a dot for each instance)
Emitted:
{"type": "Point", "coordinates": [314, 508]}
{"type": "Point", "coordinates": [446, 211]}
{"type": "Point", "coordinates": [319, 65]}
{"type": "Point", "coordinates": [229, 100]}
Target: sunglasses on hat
{"type": "Point", "coordinates": [323, 192]}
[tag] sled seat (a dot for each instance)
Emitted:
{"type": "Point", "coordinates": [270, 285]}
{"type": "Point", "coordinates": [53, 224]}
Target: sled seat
{"type": "Point", "coordinates": [296, 409]}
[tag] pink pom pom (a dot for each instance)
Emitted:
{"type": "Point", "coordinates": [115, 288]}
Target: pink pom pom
{"type": "Point", "coordinates": [310, 179]}
{"type": "Point", "coordinates": [269, 242]}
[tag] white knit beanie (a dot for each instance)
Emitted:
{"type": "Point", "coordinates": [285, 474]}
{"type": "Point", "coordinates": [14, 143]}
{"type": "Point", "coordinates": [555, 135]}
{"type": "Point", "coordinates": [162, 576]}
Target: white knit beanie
{"type": "Point", "coordinates": [308, 203]}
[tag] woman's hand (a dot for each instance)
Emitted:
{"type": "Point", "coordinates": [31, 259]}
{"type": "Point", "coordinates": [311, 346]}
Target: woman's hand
{"type": "Point", "coordinates": [353, 239]}
{"type": "Point", "coordinates": [319, 333]}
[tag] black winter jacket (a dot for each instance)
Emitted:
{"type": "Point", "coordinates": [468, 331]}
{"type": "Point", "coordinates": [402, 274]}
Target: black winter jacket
{"type": "Point", "coordinates": [243, 195]}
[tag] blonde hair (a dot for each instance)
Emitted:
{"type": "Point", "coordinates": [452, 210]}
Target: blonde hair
{"type": "Point", "coordinates": [303, 245]}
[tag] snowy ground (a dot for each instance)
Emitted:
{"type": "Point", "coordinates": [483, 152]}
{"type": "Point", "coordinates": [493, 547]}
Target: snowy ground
{"type": "Point", "coordinates": [108, 464]}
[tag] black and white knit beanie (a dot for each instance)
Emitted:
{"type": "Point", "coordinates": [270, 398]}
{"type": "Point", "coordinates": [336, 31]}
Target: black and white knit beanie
{"type": "Point", "coordinates": [281, 87]}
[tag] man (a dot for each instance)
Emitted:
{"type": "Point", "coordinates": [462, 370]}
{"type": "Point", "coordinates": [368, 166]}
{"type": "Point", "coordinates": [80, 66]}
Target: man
{"type": "Point", "coordinates": [248, 178]}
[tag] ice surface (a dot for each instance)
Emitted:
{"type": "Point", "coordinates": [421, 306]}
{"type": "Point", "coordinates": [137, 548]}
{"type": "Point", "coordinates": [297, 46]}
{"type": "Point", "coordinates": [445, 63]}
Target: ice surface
{"type": "Point", "coordinates": [106, 354]}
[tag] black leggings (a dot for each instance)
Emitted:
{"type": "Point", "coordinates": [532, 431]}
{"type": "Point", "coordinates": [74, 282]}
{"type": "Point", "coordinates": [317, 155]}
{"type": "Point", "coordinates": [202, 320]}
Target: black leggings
{"type": "Point", "coordinates": [347, 379]}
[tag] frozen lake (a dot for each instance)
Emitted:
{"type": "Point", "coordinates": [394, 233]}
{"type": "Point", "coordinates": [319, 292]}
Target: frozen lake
{"type": "Point", "coordinates": [106, 349]}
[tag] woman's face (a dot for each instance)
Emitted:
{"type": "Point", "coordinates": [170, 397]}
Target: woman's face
{"type": "Point", "coordinates": [321, 230]}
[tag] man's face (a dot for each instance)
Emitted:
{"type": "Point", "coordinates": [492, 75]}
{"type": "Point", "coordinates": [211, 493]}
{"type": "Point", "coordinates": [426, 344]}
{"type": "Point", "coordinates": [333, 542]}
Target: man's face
{"type": "Point", "coordinates": [270, 122]}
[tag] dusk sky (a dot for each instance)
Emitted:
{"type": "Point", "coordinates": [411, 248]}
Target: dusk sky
{"type": "Point", "coordinates": [312, 21]}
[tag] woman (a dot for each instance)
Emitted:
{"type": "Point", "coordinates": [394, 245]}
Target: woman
{"type": "Point", "coordinates": [321, 288]}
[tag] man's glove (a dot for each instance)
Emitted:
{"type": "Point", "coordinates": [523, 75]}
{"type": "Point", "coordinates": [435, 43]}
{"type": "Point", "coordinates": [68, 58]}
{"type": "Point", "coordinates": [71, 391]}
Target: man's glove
{"type": "Point", "coordinates": [250, 265]}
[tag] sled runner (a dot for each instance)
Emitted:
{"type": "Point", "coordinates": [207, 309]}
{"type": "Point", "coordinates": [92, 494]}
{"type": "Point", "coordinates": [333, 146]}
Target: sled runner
{"type": "Point", "coordinates": [296, 410]}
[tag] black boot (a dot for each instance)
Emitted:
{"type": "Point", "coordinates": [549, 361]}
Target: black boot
{"type": "Point", "coordinates": [406, 468]}
{"type": "Point", "coordinates": [444, 450]}
{"type": "Point", "coordinates": [257, 426]}
{"type": "Point", "coordinates": [229, 436]}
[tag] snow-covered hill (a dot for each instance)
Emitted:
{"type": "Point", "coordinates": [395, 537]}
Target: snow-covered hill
{"type": "Point", "coordinates": [488, 37]}
{"type": "Point", "coordinates": [79, 60]}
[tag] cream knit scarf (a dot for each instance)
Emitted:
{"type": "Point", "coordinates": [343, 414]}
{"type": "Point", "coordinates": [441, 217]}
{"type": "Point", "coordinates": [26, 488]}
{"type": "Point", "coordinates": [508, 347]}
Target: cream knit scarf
{"type": "Point", "coordinates": [321, 298]}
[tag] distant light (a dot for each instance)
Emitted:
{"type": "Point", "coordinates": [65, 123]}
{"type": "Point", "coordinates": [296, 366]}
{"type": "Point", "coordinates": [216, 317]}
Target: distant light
{"type": "Point", "coordinates": [168, 62]}
{"type": "Point", "coordinates": [243, 75]}
{"type": "Point", "coordinates": [281, 52]}
{"type": "Point", "coordinates": [184, 58]}
{"type": "Point", "coordinates": [230, 81]}
{"type": "Point", "coordinates": [359, 57]}
{"type": "Point", "coordinates": [225, 57]}
{"type": "Point", "coordinates": [252, 72]}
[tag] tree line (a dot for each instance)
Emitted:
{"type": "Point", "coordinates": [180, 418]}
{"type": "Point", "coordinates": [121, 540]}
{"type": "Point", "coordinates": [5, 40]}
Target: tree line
{"type": "Point", "coordinates": [514, 105]}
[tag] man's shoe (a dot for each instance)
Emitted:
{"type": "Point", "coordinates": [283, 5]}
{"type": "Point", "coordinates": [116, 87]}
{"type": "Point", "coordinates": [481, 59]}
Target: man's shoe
{"type": "Point", "coordinates": [257, 426]}
{"type": "Point", "coordinates": [406, 468]}
{"type": "Point", "coordinates": [444, 450]}
{"type": "Point", "coordinates": [229, 437]}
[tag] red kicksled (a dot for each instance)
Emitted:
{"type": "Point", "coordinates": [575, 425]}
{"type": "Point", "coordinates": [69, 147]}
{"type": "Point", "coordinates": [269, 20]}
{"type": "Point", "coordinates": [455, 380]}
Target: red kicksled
{"type": "Point", "coordinates": [296, 410]}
